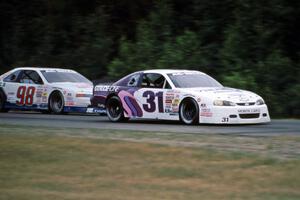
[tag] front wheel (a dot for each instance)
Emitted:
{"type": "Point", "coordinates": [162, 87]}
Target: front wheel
{"type": "Point", "coordinates": [114, 109]}
{"type": "Point", "coordinates": [189, 111]}
{"type": "Point", "coordinates": [56, 103]}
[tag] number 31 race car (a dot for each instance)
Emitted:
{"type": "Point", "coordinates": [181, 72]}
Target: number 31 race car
{"type": "Point", "coordinates": [189, 96]}
{"type": "Point", "coordinates": [45, 89]}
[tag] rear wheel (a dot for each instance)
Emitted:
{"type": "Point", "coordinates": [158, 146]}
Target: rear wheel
{"type": "Point", "coordinates": [189, 111]}
{"type": "Point", "coordinates": [2, 102]}
{"type": "Point", "coordinates": [56, 103]}
{"type": "Point", "coordinates": [114, 109]}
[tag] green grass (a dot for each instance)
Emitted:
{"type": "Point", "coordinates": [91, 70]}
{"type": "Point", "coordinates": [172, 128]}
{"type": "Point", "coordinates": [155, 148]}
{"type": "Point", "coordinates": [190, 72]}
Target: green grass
{"type": "Point", "coordinates": [92, 164]}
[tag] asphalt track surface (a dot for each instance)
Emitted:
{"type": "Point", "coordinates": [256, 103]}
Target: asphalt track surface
{"type": "Point", "coordinates": [276, 127]}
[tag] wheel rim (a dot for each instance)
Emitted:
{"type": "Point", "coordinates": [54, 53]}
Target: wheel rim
{"type": "Point", "coordinates": [56, 103]}
{"type": "Point", "coordinates": [189, 111]}
{"type": "Point", "coordinates": [114, 109]}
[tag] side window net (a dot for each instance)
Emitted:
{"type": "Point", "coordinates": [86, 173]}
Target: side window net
{"type": "Point", "coordinates": [153, 81]}
{"type": "Point", "coordinates": [31, 77]}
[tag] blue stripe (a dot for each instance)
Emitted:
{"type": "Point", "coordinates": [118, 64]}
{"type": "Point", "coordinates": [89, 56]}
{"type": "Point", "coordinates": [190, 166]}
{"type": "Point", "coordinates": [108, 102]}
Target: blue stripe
{"type": "Point", "coordinates": [43, 107]}
{"type": "Point", "coordinates": [75, 109]}
{"type": "Point", "coordinates": [130, 105]}
{"type": "Point", "coordinates": [24, 107]}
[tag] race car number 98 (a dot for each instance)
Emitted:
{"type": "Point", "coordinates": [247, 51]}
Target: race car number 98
{"type": "Point", "coordinates": [25, 95]}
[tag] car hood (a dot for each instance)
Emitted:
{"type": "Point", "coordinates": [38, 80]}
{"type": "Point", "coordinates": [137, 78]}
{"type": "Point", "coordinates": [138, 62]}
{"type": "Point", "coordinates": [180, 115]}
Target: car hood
{"type": "Point", "coordinates": [78, 87]}
{"type": "Point", "coordinates": [225, 93]}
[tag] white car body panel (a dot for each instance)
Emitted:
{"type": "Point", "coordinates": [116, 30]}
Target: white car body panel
{"type": "Point", "coordinates": [42, 92]}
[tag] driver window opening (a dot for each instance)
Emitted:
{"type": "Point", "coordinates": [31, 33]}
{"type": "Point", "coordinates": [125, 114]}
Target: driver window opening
{"type": "Point", "coordinates": [30, 77]}
{"type": "Point", "coordinates": [153, 80]}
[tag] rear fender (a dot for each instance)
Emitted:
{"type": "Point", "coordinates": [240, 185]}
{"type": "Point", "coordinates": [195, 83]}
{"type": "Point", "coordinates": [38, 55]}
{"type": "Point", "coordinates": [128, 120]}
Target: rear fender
{"type": "Point", "coordinates": [3, 95]}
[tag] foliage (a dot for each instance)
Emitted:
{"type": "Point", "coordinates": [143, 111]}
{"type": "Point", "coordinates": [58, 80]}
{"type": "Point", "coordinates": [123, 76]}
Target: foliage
{"type": "Point", "coordinates": [250, 44]}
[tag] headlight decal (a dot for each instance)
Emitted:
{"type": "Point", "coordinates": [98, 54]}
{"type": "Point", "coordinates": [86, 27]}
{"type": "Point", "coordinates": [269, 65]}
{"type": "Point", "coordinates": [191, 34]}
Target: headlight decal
{"type": "Point", "coordinates": [223, 103]}
{"type": "Point", "coordinates": [260, 102]}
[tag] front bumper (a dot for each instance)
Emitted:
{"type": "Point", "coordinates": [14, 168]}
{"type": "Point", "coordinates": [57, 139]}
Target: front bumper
{"type": "Point", "coordinates": [234, 114]}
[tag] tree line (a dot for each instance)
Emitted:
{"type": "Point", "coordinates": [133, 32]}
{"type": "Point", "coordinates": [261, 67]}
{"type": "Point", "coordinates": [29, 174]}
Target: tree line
{"type": "Point", "coordinates": [249, 44]}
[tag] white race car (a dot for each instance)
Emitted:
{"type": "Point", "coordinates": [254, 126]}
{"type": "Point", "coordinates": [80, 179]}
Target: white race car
{"type": "Point", "coordinates": [190, 96]}
{"type": "Point", "coordinates": [45, 89]}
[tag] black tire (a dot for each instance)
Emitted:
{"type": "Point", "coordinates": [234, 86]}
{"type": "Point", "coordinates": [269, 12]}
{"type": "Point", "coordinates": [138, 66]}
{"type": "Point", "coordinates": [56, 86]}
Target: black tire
{"type": "Point", "coordinates": [114, 109]}
{"type": "Point", "coordinates": [189, 111]}
{"type": "Point", "coordinates": [56, 103]}
{"type": "Point", "coordinates": [2, 102]}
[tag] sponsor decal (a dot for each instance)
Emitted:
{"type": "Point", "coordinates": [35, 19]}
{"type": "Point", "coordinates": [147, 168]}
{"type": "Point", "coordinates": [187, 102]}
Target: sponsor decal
{"type": "Point", "coordinates": [169, 97]}
{"type": "Point", "coordinates": [70, 103]}
{"type": "Point", "coordinates": [206, 112]}
{"type": "Point", "coordinates": [168, 110]}
{"type": "Point", "coordinates": [175, 110]}
{"type": "Point", "coordinates": [203, 105]}
{"type": "Point", "coordinates": [107, 88]}
{"type": "Point", "coordinates": [44, 99]}
{"type": "Point", "coordinates": [249, 110]}
{"type": "Point", "coordinates": [11, 94]}
{"type": "Point", "coordinates": [69, 98]}
{"type": "Point", "coordinates": [39, 92]}
{"type": "Point", "coordinates": [95, 110]}
{"type": "Point", "coordinates": [101, 105]}
{"type": "Point", "coordinates": [173, 91]}
{"type": "Point", "coordinates": [168, 101]}
{"type": "Point", "coordinates": [175, 102]}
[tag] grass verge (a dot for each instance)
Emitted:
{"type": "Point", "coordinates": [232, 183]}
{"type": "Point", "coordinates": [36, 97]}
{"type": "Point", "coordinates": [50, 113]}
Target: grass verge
{"type": "Point", "coordinates": [39, 163]}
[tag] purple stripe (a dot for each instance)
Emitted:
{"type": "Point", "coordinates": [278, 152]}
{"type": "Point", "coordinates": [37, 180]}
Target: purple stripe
{"type": "Point", "coordinates": [132, 108]}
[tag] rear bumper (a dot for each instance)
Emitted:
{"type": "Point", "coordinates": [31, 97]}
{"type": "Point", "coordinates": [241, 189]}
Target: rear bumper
{"type": "Point", "coordinates": [235, 115]}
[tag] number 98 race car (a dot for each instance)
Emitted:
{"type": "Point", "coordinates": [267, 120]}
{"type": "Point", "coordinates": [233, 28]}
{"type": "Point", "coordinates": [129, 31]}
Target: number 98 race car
{"type": "Point", "coordinates": [45, 89]}
{"type": "Point", "coordinates": [189, 96]}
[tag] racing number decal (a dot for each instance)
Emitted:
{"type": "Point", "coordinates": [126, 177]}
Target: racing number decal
{"type": "Point", "coordinates": [151, 106]}
{"type": "Point", "coordinates": [25, 95]}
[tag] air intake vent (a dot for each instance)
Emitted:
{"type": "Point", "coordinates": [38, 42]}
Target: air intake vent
{"type": "Point", "coordinates": [249, 116]}
{"type": "Point", "coordinates": [246, 104]}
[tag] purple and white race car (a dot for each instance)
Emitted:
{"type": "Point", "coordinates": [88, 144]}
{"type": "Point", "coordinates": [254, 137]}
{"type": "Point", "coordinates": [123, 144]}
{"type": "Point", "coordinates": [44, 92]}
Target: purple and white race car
{"type": "Point", "coordinates": [189, 96]}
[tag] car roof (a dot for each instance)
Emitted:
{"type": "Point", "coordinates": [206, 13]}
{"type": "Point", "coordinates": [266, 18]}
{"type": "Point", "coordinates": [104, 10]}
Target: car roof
{"type": "Point", "coordinates": [171, 71]}
{"type": "Point", "coordinates": [39, 68]}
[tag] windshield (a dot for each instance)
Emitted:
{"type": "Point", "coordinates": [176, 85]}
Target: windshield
{"type": "Point", "coordinates": [184, 80]}
{"type": "Point", "coordinates": [58, 76]}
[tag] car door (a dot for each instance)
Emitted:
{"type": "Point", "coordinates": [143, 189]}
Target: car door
{"type": "Point", "coordinates": [11, 87]}
{"type": "Point", "coordinates": [153, 97]}
{"type": "Point", "coordinates": [24, 89]}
